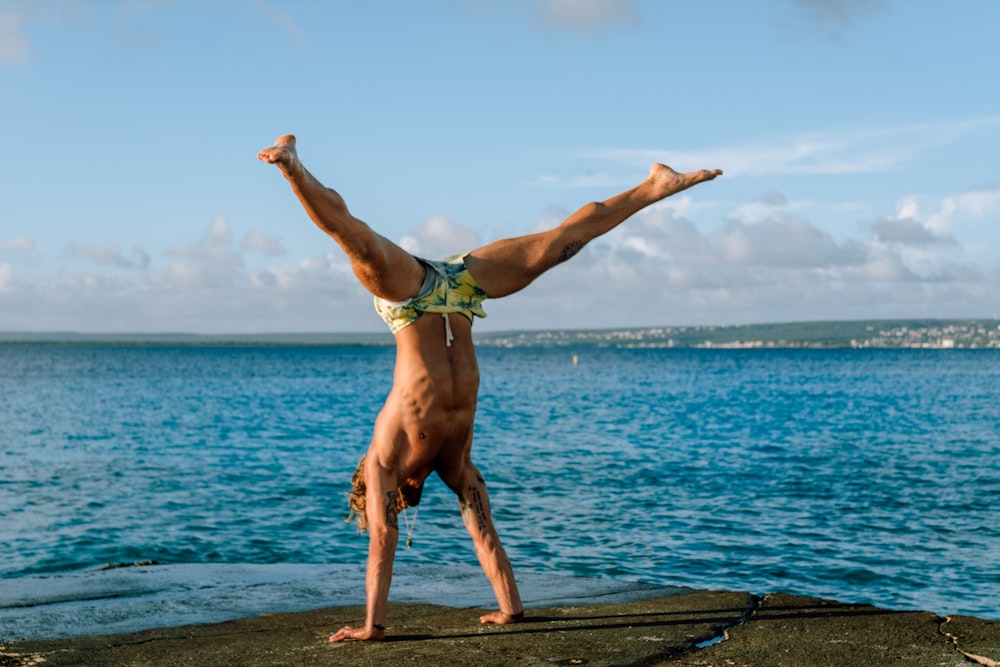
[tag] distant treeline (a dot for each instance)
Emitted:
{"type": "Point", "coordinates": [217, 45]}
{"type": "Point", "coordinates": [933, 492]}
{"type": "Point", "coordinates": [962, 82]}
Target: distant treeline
{"type": "Point", "coordinates": [860, 333]}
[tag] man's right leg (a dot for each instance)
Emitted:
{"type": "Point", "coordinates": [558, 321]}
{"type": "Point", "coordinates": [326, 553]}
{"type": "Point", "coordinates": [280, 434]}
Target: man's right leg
{"type": "Point", "coordinates": [384, 269]}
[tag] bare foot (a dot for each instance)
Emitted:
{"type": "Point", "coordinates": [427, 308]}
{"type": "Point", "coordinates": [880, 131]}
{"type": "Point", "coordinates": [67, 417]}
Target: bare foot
{"type": "Point", "coordinates": [282, 154]}
{"type": "Point", "coordinates": [501, 618]}
{"type": "Point", "coordinates": [665, 181]}
{"type": "Point", "coordinates": [361, 634]}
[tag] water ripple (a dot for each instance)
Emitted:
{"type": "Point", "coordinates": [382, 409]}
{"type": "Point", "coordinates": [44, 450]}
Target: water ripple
{"type": "Point", "coordinates": [866, 475]}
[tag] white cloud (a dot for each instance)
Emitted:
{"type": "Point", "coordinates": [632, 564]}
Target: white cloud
{"type": "Point", "coordinates": [213, 260]}
{"type": "Point", "coordinates": [440, 237]}
{"type": "Point", "coordinates": [663, 235]}
{"type": "Point", "coordinates": [839, 13]}
{"type": "Point", "coordinates": [945, 219]}
{"type": "Point", "coordinates": [585, 180]}
{"type": "Point", "coordinates": [660, 269]}
{"type": "Point", "coordinates": [267, 246]}
{"type": "Point", "coordinates": [14, 45]}
{"type": "Point", "coordinates": [762, 209]}
{"type": "Point", "coordinates": [981, 203]}
{"type": "Point", "coordinates": [204, 286]}
{"type": "Point", "coordinates": [973, 206]}
{"type": "Point", "coordinates": [315, 274]}
{"type": "Point", "coordinates": [21, 245]}
{"type": "Point", "coordinates": [282, 20]}
{"type": "Point", "coordinates": [6, 276]}
{"type": "Point", "coordinates": [783, 242]}
{"type": "Point", "coordinates": [765, 264]}
{"type": "Point", "coordinates": [907, 231]}
{"type": "Point", "coordinates": [588, 16]}
{"type": "Point", "coordinates": [109, 255]}
{"type": "Point", "coordinates": [17, 15]}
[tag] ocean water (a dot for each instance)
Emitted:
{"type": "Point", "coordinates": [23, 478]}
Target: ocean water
{"type": "Point", "coordinates": [858, 475]}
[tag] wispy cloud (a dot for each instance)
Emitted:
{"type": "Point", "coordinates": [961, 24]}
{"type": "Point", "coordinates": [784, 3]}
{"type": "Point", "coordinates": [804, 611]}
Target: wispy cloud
{"type": "Point", "coordinates": [584, 180]}
{"type": "Point", "coordinates": [21, 245]}
{"type": "Point", "coordinates": [588, 16]}
{"type": "Point", "coordinates": [14, 44]}
{"type": "Point", "coordinates": [269, 246]}
{"type": "Point", "coordinates": [839, 14]}
{"type": "Point", "coordinates": [283, 20]}
{"type": "Point", "coordinates": [831, 152]}
{"type": "Point", "coordinates": [16, 16]}
{"type": "Point", "coordinates": [109, 255]}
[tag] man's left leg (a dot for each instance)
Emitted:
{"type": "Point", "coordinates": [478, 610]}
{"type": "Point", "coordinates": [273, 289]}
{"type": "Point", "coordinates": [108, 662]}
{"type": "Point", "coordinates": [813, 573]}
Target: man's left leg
{"type": "Point", "coordinates": [507, 266]}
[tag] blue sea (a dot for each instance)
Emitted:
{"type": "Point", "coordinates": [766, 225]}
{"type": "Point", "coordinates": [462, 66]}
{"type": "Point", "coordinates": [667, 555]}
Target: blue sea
{"type": "Point", "coordinates": [857, 475]}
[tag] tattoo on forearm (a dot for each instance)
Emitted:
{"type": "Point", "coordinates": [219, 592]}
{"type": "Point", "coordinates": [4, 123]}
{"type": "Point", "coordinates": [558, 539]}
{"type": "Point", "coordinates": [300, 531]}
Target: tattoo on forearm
{"type": "Point", "coordinates": [570, 249]}
{"type": "Point", "coordinates": [392, 509]}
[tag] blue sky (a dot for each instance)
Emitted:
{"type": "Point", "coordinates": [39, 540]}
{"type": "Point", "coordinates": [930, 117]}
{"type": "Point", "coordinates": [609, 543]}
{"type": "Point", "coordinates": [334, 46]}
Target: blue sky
{"type": "Point", "coordinates": [859, 140]}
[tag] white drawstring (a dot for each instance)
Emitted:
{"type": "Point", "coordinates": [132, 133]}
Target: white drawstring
{"type": "Point", "coordinates": [448, 335]}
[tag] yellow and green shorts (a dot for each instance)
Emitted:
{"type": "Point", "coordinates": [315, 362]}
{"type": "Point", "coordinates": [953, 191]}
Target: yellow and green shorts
{"type": "Point", "coordinates": [448, 288]}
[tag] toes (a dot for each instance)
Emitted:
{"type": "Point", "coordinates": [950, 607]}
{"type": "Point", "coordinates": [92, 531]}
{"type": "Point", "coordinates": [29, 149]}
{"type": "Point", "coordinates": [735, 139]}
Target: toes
{"type": "Point", "coordinates": [269, 155]}
{"type": "Point", "coordinates": [273, 154]}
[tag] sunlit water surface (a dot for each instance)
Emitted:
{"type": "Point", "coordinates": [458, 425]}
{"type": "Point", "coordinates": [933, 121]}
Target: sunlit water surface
{"type": "Point", "coordinates": [859, 475]}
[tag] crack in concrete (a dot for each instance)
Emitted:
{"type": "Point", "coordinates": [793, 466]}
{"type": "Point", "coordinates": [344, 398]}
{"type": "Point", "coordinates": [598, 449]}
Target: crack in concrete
{"type": "Point", "coordinates": [972, 657]}
{"type": "Point", "coordinates": [723, 633]}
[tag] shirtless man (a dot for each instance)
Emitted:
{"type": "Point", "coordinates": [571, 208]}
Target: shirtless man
{"type": "Point", "coordinates": [426, 423]}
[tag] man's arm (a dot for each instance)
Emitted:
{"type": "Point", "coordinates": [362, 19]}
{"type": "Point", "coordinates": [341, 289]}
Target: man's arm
{"type": "Point", "coordinates": [475, 502]}
{"type": "Point", "coordinates": [382, 500]}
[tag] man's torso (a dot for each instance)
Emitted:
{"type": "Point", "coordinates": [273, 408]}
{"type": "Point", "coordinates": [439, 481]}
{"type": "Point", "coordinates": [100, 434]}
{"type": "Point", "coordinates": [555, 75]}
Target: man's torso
{"type": "Point", "coordinates": [427, 421]}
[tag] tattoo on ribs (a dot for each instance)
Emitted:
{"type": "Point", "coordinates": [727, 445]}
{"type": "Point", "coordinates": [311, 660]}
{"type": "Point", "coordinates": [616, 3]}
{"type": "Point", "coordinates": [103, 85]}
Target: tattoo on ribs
{"type": "Point", "coordinates": [570, 249]}
{"type": "Point", "coordinates": [391, 509]}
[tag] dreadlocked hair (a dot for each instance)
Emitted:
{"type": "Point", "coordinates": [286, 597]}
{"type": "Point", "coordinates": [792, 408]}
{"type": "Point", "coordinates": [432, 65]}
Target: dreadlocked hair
{"type": "Point", "coordinates": [356, 497]}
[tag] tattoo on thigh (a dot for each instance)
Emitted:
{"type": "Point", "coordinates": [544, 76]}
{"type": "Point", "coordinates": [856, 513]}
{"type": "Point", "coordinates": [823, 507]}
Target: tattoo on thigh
{"type": "Point", "coordinates": [570, 249]}
{"type": "Point", "coordinates": [392, 509]}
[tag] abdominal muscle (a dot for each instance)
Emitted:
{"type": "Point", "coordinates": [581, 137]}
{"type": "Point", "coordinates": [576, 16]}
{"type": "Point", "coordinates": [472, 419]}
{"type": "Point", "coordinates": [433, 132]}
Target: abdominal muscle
{"type": "Point", "coordinates": [427, 420]}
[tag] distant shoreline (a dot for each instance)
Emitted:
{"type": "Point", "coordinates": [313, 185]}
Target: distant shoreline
{"type": "Point", "coordinates": [889, 334]}
{"type": "Point", "coordinates": [196, 340]}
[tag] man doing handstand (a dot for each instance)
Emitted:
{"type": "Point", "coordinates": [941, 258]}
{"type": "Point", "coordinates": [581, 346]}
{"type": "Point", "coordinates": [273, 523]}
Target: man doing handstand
{"type": "Point", "coordinates": [426, 423]}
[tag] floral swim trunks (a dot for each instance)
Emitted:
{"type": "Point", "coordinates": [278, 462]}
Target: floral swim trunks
{"type": "Point", "coordinates": [448, 288]}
